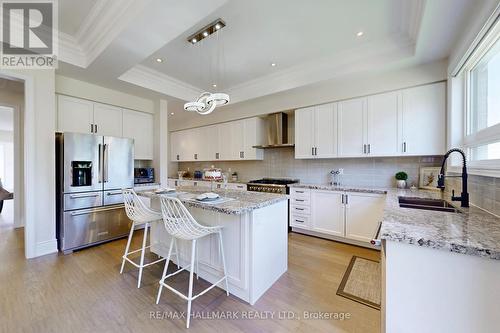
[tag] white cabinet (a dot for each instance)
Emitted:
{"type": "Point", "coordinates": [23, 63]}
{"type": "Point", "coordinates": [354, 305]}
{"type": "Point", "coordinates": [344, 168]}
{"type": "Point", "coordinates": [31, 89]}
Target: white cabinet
{"type": "Point", "coordinates": [75, 115]}
{"type": "Point", "coordinates": [139, 126]}
{"type": "Point", "coordinates": [327, 212]}
{"type": "Point", "coordinates": [423, 120]}
{"type": "Point", "coordinates": [382, 126]}
{"type": "Point", "coordinates": [234, 140]}
{"type": "Point", "coordinates": [304, 129]}
{"type": "Point", "coordinates": [253, 135]}
{"type": "Point", "coordinates": [108, 120]}
{"type": "Point", "coordinates": [352, 127]}
{"type": "Point", "coordinates": [403, 122]}
{"type": "Point", "coordinates": [344, 215]}
{"type": "Point", "coordinates": [363, 213]}
{"type": "Point", "coordinates": [316, 132]}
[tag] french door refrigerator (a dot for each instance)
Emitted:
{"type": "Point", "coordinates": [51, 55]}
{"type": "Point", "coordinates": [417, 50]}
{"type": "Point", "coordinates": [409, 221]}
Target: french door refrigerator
{"type": "Point", "coordinates": [91, 171]}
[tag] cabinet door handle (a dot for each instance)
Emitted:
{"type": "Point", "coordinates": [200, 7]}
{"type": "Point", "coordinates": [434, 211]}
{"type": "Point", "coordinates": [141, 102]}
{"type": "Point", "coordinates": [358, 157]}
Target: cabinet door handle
{"type": "Point", "coordinates": [364, 149]}
{"type": "Point", "coordinates": [177, 157]}
{"type": "Point", "coordinates": [404, 147]}
{"type": "Point", "coordinates": [299, 191]}
{"type": "Point", "coordinates": [95, 127]}
{"type": "Point", "coordinates": [315, 151]}
{"type": "Point", "coordinates": [342, 199]}
{"type": "Point", "coordinates": [216, 156]}
{"type": "Point", "coordinates": [369, 148]}
{"type": "Point", "coordinates": [312, 151]}
{"type": "Point", "coordinates": [91, 128]}
{"type": "Point", "coordinates": [346, 199]}
{"type": "Point", "coordinates": [195, 156]}
{"type": "Point", "coordinates": [243, 154]}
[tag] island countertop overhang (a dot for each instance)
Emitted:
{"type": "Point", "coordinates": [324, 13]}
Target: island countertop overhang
{"type": "Point", "coordinates": [242, 201]}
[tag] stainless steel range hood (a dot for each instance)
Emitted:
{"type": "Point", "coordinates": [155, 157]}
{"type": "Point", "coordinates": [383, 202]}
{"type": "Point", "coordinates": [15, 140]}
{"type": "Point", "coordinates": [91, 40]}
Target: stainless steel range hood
{"type": "Point", "coordinates": [277, 131]}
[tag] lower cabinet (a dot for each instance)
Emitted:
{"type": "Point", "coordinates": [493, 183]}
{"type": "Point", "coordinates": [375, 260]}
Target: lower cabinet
{"type": "Point", "coordinates": [352, 216]}
{"type": "Point", "coordinates": [327, 212]}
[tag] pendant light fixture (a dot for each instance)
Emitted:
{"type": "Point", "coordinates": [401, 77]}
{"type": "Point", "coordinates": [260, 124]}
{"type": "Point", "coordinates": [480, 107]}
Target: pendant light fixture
{"type": "Point", "coordinates": [207, 101]}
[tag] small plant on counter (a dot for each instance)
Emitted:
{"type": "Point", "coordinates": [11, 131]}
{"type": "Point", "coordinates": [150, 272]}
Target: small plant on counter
{"type": "Point", "coordinates": [401, 178]}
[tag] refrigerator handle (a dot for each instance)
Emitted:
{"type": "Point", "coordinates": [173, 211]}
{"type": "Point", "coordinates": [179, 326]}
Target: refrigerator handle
{"type": "Point", "coordinates": [100, 164]}
{"type": "Point", "coordinates": [105, 162]}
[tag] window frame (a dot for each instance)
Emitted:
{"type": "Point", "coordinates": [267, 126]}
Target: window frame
{"type": "Point", "coordinates": [489, 134]}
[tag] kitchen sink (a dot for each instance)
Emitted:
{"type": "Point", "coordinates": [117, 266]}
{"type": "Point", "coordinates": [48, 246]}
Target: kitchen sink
{"type": "Point", "coordinates": [427, 204]}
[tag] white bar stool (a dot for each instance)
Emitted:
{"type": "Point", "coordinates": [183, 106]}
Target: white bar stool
{"type": "Point", "coordinates": [180, 224]}
{"type": "Point", "coordinates": [140, 214]}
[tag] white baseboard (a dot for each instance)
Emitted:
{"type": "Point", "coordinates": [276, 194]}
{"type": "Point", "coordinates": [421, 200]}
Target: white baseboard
{"type": "Point", "coordinates": [46, 247]}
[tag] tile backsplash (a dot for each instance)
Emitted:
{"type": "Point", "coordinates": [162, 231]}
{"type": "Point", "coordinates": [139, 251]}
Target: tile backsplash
{"type": "Point", "coordinates": [281, 163]}
{"type": "Point", "coordinates": [484, 192]}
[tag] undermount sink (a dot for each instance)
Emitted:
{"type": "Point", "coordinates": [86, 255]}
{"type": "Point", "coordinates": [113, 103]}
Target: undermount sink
{"type": "Point", "coordinates": [427, 204]}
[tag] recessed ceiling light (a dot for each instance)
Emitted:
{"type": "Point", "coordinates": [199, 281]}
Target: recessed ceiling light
{"type": "Point", "coordinates": [273, 64]}
{"type": "Point", "coordinates": [214, 85]}
{"type": "Point", "coordinates": [160, 60]}
{"type": "Point", "coordinates": [194, 40]}
{"type": "Point", "coordinates": [217, 26]}
{"type": "Point", "coordinates": [205, 33]}
{"type": "Point", "coordinates": [360, 33]}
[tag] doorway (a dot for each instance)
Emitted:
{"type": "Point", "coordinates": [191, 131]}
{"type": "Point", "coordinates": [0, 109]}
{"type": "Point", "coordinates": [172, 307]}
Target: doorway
{"type": "Point", "coordinates": [12, 101]}
{"type": "Point", "coordinates": [6, 167]}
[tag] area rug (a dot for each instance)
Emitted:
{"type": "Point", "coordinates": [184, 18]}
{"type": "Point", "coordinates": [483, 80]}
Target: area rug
{"type": "Point", "coordinates": [361, 282]}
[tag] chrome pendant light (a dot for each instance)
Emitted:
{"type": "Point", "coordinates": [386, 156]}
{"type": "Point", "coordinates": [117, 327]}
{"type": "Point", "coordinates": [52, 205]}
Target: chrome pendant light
{"type": "Point", "coordinates": [207, 101]}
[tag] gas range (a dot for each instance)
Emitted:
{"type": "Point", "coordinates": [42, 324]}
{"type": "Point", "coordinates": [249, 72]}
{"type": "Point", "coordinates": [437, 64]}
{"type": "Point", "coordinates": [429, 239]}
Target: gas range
{"type": "Point", "coordinates": [271, 185]}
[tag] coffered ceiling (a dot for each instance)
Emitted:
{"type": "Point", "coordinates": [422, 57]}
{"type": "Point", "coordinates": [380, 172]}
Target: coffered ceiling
{"type": "Point", "coordinates": [115, 43]}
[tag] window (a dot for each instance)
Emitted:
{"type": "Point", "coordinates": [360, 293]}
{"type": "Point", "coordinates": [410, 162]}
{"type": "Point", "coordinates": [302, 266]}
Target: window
{"type": "Point", "coordinates": [482, 118]}
{"type": "Point", "coordinates": [485, 91]}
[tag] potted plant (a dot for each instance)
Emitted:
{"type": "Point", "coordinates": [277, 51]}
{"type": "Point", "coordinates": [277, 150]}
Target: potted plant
{"type": "Point", "coordinates": [401, 178]}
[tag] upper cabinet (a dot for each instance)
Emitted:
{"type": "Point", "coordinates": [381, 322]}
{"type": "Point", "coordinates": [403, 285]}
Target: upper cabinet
{"type": "Point", "coordinates": [229, 141]}
{"type": "Point", "coordinates": [352, 127]}
{"type": "Point", "coordinates": [316, 132]}
{"type": "Point", "coordinates": [404, 122]}
{"type": "Point", "coordinates": [75, 115]}
{"type": "Point", "coordinates": [382, 124]}
{"type": "Point", "coordinates": [108, 120]}
{"type": "Point", "coordinates": [139, 126]}
{"type": "Point", "coordinates": [423, 120]}
{"type": "Point", "coordinates": [83, 116]}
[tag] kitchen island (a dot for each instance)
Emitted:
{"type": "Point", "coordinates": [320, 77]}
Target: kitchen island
{"type": "Point", "coordinates": [255, 234]}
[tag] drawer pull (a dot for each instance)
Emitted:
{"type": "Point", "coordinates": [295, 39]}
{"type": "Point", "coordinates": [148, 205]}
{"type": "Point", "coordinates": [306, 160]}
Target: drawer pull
{"type": "Point", "coordinates": [115, 193]}
{"type": "Point", "coordinates": [300, 221]}
{"type": "Point", "coordinates": [301, 200]}
{"type": "Point", "coordinates": [81, 196]}
{"type": "Point", "coordinates": [299, 208]}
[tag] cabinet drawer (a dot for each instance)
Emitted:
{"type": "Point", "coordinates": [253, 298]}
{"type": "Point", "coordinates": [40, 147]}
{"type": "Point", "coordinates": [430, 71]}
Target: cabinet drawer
{"type": "Point", "coordinates": [299, 221]}
{"type": "Point", "coordinates": [300, 192]}
{"type": "Point", "coordinates": [74, 201]}
{"type": "Point", "coordinates": [301, 210]}
{"type": "Point", "coordinates": [301, 201]}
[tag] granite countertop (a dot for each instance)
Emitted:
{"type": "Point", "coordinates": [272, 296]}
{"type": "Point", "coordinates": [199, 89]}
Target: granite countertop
{"type": "Point", "coordinates": [243, 202]}
{"type": "Point", "coordinates": [206, 180]}
{"type": "Point", "coordinates": [327, 187]}
{"type": "Point", "coordinates": [473, 232]}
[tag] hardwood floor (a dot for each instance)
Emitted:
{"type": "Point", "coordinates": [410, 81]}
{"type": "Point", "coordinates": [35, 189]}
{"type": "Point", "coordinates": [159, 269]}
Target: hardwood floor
{"type": "Point", "coordinates": [84, 292]}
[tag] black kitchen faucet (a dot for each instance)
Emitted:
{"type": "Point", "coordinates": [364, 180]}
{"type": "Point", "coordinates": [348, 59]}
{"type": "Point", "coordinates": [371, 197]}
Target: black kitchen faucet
{"type": "Point", "coordinates": [464, 196]}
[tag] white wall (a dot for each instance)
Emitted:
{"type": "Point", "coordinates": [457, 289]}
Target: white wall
{"type": "Point", "coordinates": [39, 126]}
{"type": "Point", "coordinates": [332, 90]}
{"type": "Point", "coordinates": [81, 89]}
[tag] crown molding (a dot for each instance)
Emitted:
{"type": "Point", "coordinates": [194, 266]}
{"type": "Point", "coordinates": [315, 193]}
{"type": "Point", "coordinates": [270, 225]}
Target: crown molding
{"type": "Point", "coordinates": [411, 19]}
{"type": "Point", "coordinates": [70, 51]}
{"type": "Point", "coordinates": [106, 19]}
{"type": "Point", "coordinates": [151, 79]}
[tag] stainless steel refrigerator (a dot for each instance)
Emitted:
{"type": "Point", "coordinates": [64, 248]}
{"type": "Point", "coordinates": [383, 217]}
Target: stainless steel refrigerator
{"type": "Point", "coordinates": [91, 171]}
